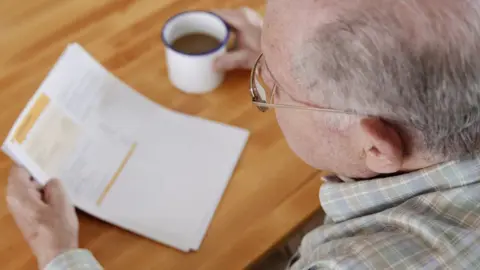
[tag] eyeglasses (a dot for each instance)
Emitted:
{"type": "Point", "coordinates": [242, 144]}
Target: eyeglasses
{"type": "Point", "coordinates": [263, 88]}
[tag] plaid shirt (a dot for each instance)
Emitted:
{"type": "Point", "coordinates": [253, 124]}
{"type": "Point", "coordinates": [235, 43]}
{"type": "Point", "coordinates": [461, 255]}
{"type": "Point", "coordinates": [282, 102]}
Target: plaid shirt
{"type": "Point", "coordinates": [78, 259]}
{"type": "Point", "coordinates": [427, 219]}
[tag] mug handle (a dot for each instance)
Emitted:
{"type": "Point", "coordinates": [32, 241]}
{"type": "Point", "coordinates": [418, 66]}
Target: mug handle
{"type": "Point", "coordinates": [232, 42]}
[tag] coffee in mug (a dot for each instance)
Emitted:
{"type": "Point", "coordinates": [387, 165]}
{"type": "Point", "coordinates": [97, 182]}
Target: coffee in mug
{"type": "Point", "coordinates": [193, 40]}
{"type": "Point", "coordinates": [195, 43]}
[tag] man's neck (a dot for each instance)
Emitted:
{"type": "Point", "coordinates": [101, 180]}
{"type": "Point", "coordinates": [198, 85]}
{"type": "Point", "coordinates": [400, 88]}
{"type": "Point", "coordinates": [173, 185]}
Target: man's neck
{"type": "Point", "coordinates": [419, 162]}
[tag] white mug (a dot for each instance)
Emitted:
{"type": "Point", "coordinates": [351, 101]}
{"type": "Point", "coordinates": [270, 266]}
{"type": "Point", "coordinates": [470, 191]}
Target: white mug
{"type": "Point", "coordinates": [194, 73]}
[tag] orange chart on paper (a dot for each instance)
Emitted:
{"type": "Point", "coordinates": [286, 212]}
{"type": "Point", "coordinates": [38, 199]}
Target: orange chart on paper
{"type": "Point", "coordinates": [31, 118]}
{"type": "Point", "coordinates": [117, 173]}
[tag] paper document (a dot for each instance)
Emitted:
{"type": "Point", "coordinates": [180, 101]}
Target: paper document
{"type": "Point", "coordinates": [122, 157]}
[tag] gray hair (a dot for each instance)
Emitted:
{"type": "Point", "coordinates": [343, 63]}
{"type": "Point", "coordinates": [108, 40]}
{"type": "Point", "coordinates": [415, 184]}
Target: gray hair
{"type": "Point", "coordinates": [413, 62]}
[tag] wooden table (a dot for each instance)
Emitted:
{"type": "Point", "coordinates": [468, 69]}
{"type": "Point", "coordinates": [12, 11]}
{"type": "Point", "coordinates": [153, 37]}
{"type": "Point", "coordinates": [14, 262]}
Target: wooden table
{"type": "Point", "coordinates": [271, 192]}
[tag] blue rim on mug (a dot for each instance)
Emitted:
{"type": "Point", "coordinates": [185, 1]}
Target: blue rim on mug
{"type": "Point", "coordinates": [223, 43]}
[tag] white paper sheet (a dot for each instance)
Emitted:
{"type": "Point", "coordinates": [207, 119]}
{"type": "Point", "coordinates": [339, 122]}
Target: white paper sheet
{"type": "Point", "coordinates": [122, 157]}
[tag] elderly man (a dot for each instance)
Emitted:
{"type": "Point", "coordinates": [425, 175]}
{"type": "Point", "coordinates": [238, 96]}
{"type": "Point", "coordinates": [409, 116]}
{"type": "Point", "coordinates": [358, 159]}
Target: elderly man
{"type": "Point", "coordinates": [385, 94]}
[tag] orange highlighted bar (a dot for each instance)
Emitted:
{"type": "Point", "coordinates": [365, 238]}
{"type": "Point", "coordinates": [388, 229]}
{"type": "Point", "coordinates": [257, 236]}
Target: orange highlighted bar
{"type": "Point", "coordinates": [29, 121]}
{"type": "Point", "coordinates": [117, 173]}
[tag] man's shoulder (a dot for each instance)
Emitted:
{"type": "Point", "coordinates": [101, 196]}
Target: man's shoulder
{"type": "Point", "coordinates": [437, 228]}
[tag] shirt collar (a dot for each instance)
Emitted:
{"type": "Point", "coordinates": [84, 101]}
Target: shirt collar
{"type": "Point", "coordinates": [343, 198]}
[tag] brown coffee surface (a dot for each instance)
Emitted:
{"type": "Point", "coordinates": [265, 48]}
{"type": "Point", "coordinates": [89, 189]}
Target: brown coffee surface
{"type": "Point", "coordinates": [195, 43]}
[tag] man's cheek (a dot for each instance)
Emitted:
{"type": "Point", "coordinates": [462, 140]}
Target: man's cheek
{"type": "Point", "coordinates": [293, 132]}
{"type": "Point", "coordinates": [284, 121]}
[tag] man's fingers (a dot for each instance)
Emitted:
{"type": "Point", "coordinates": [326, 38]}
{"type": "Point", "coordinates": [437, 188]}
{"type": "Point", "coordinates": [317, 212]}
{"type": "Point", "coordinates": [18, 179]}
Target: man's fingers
{"type": "Point", "coordinates": [26, 220]}
{"type": "Point", "coordinates": [21, 188]}
{"type": "Point", "coordinates": [253, 17]}
{"type": "Point", "coordinates": [21, 211]}
{"type": "Point", "coordinates": [54, 194]}
{"type": "Point", "coordinates": [240, 18]}
{"type": "Point", "coordinates": [28, 202]}
{"type": "Point", "coordinates": [20, 179]}
{"type": "Point", "coordinates": [24, 215]}
{"type": "Point", "coordinates": [232, 60]}
{"type": "Point", "coordinates": [235, 18]}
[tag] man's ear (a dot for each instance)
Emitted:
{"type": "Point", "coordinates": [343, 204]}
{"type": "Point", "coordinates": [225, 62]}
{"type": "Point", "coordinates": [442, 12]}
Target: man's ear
{"type": "Point", "coordinates": [383, 148]}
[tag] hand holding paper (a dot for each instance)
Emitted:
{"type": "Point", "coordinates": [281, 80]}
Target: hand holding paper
{"type": "Point", "coordinates": [47, 220]}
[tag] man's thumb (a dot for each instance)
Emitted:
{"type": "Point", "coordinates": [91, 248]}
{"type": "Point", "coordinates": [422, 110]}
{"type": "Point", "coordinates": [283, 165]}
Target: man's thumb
{"type": "Point", "coordinates": [54, 194]}
{"type": "Point", "coordinates": [232, 60]}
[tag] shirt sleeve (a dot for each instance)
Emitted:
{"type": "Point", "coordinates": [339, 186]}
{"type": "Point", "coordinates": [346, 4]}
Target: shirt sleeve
{"type": "Point", "coordinates": [77, 259]}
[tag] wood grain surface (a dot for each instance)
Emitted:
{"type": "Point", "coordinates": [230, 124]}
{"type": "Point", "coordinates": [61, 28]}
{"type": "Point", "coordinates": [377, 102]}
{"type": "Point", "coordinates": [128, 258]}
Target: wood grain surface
{"type": "Point", "coordinates": [271, 192]}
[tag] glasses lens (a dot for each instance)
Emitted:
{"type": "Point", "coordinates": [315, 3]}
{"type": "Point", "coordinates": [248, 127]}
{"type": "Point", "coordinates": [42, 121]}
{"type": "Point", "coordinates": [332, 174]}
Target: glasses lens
{"type": "Point", "coordinates": [264, 82]}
